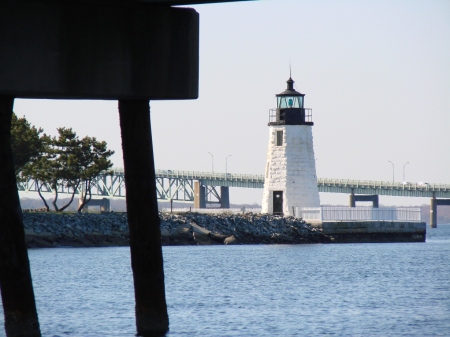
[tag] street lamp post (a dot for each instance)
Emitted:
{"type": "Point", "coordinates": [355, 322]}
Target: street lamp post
{"type": "Point", "coordinates": [226, 166]}
{"type": "Point", "coordinates": [404, 171]}
{"type": "Point", "coordinates": [212, 162]}
{"type": "Point", "coordinates": [392, 170]}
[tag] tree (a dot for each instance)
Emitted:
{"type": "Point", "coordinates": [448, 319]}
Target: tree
{"type": "Point", "coordinates": [66, 151]}
{"type": "Point", "coordinates": [56, 165]}
{"type": "Point", "coordinates": [26, 142]}
{"type": "Point", "coordinates": [93, 161]}
{"type": "Point", "coordinates": [41, 168]}
{"type": "Point", "coordinates": [68, 161]}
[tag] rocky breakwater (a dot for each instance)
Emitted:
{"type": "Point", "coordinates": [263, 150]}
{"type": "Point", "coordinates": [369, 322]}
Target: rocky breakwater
{"type": "Point", "coordinates": [44, 229]}
{"type": "Point", "coordinates": [111, 229]}
{"type": "Point", "coordinates": [194, 228]}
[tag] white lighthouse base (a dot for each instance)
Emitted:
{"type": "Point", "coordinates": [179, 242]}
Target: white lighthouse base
{"type": "Point", "coordinates": [290, 171]}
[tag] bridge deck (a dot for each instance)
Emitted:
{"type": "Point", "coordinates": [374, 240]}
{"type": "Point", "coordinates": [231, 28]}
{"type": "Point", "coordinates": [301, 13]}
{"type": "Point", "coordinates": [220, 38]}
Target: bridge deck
{"type": "Point", "coordinates": [178, 185]}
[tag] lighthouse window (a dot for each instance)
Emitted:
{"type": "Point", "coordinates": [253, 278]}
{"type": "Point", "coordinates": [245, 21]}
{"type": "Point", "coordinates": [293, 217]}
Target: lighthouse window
{"type": "Point", "coordinates": [290, 102]}
{"type": "Point", "coordinates": [279, 138]}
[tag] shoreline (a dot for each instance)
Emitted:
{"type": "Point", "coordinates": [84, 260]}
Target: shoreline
{"type": "Point", "coordinates": [109, 229]}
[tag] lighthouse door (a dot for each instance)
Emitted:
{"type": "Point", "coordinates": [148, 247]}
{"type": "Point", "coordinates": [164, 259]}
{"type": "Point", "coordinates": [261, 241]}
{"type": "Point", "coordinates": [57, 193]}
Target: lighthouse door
{"type": "Point", "coordinates": [277, 202]}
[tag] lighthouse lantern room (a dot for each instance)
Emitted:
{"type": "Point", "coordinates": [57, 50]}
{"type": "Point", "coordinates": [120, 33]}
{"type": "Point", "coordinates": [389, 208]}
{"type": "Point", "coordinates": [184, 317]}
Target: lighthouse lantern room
{"type": "Point", "coordinates": [290, 175]}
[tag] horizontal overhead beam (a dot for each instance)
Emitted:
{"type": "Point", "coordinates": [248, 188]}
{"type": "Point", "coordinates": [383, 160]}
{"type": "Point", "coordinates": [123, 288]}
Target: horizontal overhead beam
{"type": "Point", "coordinates": [186, 2]}
{"type": "Point", "coordinates": [98, 50]}
{"type": "Point", "coordinates": [150, 2]}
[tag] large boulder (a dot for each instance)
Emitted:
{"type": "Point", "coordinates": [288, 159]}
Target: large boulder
{"type": "Point", "coordinates": [231, 240]}
{"type": "Point", "coordinates": [201, 235]}
{"type": "Point", "coordinates": [182, 235]}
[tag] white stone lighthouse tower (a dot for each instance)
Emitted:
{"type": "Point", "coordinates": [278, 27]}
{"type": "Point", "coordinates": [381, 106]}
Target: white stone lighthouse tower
{"type": "Point", "coordinates": [290, 176]}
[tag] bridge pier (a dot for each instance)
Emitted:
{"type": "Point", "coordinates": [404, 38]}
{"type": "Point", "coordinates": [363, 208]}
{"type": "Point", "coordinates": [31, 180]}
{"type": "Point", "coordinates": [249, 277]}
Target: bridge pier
{"type": "Point", "coordinates": [224, 197]}
{"type": "Point", "coordinates": [199, 195]}
{"type": "Point", "coordinates": [373, 198]}
{"type": "Point", "coordinates": [433, 209]}
{"type": "Point", "coordinates": [105, 205]}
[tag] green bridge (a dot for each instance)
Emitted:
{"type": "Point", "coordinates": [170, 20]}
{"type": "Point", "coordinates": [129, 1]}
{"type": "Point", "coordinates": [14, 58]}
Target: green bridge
{"type": "Point", "coordinates": [179, 185]}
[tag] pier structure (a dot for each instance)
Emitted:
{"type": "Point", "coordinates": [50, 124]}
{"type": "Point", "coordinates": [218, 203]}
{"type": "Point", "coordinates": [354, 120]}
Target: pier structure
{"type": "Point", "coordinates": [131, 51]}
{"type": "Point", "coordinates": [373, 198]}
{"type": "Point", "coordinates": [433, 209]}
{"type": "Point", "coordinates": [104, 203]}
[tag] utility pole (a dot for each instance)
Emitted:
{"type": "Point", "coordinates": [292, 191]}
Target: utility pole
{"type": "Point", "coordinates": [212, 162]}
{"type": "Point", "coordinates": [226, 165]}
{"type": "Point", "coordinates": [404, 171]}
{"type": "Point", "coordinates": [392, 170]}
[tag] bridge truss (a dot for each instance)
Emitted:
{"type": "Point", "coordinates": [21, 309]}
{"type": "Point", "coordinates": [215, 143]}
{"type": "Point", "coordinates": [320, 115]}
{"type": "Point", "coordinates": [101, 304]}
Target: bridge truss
{"type": "Point", "coordinates": [178, 186]}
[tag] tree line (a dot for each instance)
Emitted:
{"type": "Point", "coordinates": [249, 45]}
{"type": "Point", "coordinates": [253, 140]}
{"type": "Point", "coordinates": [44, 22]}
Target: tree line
{"type": "Point", "coordinates": [64, 160]}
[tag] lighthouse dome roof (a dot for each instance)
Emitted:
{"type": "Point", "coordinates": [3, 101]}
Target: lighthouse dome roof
{"type": "Point", "coordinates": [290, 91]}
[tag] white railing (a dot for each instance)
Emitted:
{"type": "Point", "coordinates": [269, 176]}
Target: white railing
{"type": "Point", "coordinates": [213, 210]}
{"type": "Point", "coordinates": [209, 175]}
{"type": "Point", "coordinates": [419, 186]}
{"type": "Point", "coordinates": [326, 213]}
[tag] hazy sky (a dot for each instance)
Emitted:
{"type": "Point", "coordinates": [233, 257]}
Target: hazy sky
{"type": "Point", "coordinates": [375, 73]}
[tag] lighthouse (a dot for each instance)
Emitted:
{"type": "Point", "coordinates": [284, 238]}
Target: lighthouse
{"type": "Point", "coordinates": [290, 173]}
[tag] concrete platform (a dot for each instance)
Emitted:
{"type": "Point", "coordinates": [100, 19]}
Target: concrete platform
{"type": "Point", "coordinates": [373, 231]}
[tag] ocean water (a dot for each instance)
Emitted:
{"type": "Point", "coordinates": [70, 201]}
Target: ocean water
{"type": "Point", "coordinates": [389, 289]}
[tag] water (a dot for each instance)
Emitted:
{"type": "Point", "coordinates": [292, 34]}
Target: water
{"type": "Point", "coordinates": [397, 289]}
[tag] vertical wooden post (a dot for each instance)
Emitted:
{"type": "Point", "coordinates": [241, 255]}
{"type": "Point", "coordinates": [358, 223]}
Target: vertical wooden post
{"type": "Point", "coordinates": [15, 277]}
{"type": "Point", "coordinates": [143, 218]}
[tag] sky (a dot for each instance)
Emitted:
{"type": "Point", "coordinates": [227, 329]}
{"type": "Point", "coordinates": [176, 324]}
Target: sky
{"type": "Point", "coordinates": [376, 75]}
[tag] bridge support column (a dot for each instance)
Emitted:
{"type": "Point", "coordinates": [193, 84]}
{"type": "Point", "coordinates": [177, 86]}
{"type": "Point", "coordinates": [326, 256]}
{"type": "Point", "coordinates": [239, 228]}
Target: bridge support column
{"type": "Point", "coordinates": [433, 213]}
{"type": "Point", "coordinates": [373, 198]}
{"type": "Point", "coordinates": [433, 209]}
{"type": "Point", "coordinates": [375, 201]}
{"type": "Point", "coordinates": [224, 197]}
{"type": "Point", "coordinates": [143, 218]}
{"type": "Point", "coordinates": [199, 195]}
{"type": "Point", "coordinates": [16, 287]}
{"type": "Point", "coordinates": [105, 205]}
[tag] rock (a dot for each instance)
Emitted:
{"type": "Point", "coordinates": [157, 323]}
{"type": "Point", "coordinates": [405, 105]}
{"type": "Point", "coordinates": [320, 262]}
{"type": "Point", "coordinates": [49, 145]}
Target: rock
{"type": "Point", "coordinates": [165, 236]}
{"type": "Point", "coordinates": [231, 240]}
{"type": "Point", "coordinates": [29, 231]}
{"type": "Point", "coordinates": [183, 229]}
{"type": "Point", "coordinates": [202, 239]}
{"type": "Point", "coordinates": [218, 237]}
{"type": "Point", "coordinates": [197, 229]}
{"type": "Point", "coordinates": [165, 232]}
{"type": "Point", "coordinates": [183, 235]}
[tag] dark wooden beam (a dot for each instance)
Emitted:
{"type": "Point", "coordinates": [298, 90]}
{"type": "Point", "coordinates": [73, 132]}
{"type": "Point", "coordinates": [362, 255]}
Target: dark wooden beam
{"type": "Point", "coordinates": [15, 278]}
{"type": "Point", "coordinates": [75, 50]}
{"type": "Point", "coordinates": [143, 218]}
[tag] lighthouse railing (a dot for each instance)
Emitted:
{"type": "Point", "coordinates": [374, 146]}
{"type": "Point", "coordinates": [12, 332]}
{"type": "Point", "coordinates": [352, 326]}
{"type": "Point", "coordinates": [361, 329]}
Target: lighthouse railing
{"type": "Point", "coordinates": [341, 213]}
{"type": "Point", "coordinates": [307, 112]}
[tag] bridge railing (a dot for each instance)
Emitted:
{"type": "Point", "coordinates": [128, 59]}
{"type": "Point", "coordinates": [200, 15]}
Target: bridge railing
{"type": "Point", "coordinates": [421, 186]}
{"type": "Point", "coordinates": [383, 184]}
{"type": "Point", "coordinates": [327, 213]}
{"type": "Point", "coordinates": [208, 175]}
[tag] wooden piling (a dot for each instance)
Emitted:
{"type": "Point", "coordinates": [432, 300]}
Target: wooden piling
{"type": "Point", "coordinates": [143, 218]}
{"type": "Point", "coordinates": [15, 277]}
